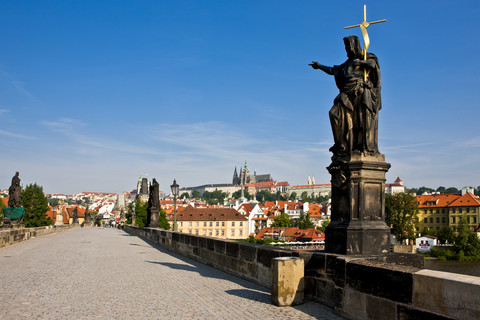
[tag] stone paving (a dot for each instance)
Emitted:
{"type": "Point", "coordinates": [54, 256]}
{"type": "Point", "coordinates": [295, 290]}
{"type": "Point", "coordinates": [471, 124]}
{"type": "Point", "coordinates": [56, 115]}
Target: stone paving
{"type": "Point", "coordinates": [96, 273]}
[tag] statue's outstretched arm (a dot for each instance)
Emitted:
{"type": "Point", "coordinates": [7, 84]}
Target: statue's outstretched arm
{"type": "Point", "coordinates": [316, 65]}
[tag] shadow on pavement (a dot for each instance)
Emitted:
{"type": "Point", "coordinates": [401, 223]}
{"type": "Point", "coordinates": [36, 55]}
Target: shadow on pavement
{"type": "Point", "coordinates": [251, 295]}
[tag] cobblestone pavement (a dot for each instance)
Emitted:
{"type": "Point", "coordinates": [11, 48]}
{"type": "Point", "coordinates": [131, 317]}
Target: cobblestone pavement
{"type": "Point", "coordinates": [96, 273]}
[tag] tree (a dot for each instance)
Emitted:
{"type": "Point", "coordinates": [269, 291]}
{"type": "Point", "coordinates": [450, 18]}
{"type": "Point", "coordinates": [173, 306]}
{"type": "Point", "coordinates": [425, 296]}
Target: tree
{"type": "Point", "coordinates": [163, 223]}
{"type": "Point", "coordinates": [141, 213]}
{"type": "Point", "coordinates": [441, 189]}
{"type": "Point", "coordinates": [466, 242]}
{"type": "Point", "coordinates": [195, 194]}
{"type": "Point", "coordinates": [304, 221]}
{"type": "Point", "coordinates": [452, 190]}
{"type": "Point", "coordinates": [446, 234]}
{"type": "Point", "coordinates": [292, 196]}
{"type": "Point", "coordinates": [53, 201]}
{"type": "Point", "coordinates": [324, 225]}
{"type": "Point", "coordinates": [283, 220]}
{"type": "Point", "coordinates": [304, 196]}
{"type": "Point", "coordinates": [185, 195]}
{"type": "Point", "coordinates": [36, 206]}
{"type": "Point", "coordinates": [402, 215]}
{"type": "Point", "coordinates": [422, 190]}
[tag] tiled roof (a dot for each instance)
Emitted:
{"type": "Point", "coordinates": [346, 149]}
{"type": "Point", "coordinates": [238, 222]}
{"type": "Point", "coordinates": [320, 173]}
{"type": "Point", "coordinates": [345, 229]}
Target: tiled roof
{"type": "Point", "coordinates": [310, 186]}
{"type": "Point", "coordinates": [447, 200]}
{"type": "Point", "coordinates": [209, 214]}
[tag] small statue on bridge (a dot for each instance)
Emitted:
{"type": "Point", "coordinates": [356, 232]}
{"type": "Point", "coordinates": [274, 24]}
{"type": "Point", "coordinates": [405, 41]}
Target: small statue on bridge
{"type": "Point", "coordinates": [14, 192]}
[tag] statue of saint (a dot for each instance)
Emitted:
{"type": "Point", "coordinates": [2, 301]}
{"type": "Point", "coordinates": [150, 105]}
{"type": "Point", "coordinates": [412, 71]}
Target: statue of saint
{"type": "Point", "coordinates": [14, 192]}
{"type": "Point", "coordinates": [354, 115]}
{"type": "Point", "coordinates": [154, 198]}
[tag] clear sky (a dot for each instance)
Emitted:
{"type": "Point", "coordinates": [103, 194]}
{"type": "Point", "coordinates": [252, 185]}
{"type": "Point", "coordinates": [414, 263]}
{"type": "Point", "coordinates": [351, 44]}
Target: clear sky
{"type": "Point", "coordinates": [94, 94]}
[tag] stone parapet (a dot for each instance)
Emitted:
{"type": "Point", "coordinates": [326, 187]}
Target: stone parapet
{"type": "Point", "coordinates": [11, 236]}
{"type": "Point", "coordinates": [388, 286]}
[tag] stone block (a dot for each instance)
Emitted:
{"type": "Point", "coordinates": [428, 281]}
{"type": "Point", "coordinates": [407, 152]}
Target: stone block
{"type": "Point", "coordinates": [450, 294]}
{"type": "Point", "coordinates": [315, 263]}
{"type": "Point", "coordinates": [265, 255]}
{"type": "Point", "coordinates": [211, 244]}
{"type": "Point", "coordinates": [409, 313]}
{"type": "Point", "coordinates": [287, 281]}
{"type": "Point", "coordinates": [325, 292]}
{"type": "Point", "coordinates": [354, 303]}
{"type": "Point", "coordinates": [220, 246]}
{"type": "Point", "coordinates": [232, 248]}
{"type": "Point", "coordinates": [247, 252]}
{"type": "Point", "coordinates": [194, 241]}
{"type": "Point", "coordinates": [335, 268]}
{"type": "Point", "coordinates": [380, 309]}
{"type": "Point", "coordinates": [381, 281]}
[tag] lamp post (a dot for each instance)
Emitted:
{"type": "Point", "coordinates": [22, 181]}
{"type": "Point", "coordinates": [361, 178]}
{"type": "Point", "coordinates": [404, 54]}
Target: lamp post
{"type": "Point", "coordinates": [174, 188]}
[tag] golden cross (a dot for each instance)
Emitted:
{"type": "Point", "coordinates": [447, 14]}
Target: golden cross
{"type": "Point", "coordinates": [363, 26]}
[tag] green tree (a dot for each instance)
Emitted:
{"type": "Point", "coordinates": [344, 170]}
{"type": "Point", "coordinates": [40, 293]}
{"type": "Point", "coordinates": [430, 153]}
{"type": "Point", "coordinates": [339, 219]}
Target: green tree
{"type": "Point", "coordinates": [324, 225]}
{"type": "Point", "coordinates": [304, 221]}
{"type": "Point", "coordinates": [283, 220]}
{"type": "Point", "coordinates": [141, 213]}
{"type": "Point", "coordinates": [238, 194]}
{"type": "Point", "coordinates": [36, 206]}
{"type": "Point", "coordinates": [446, 234]}
{"type": "Point", "coordinates": [53, 201]}
{"type": "Point", "coordinates": [441, 189]}
{"type": "Point", "coordinates": [466, 242]}
{"type": "Point", "coordinates": [304, 196]}
{"type": "Point", "coordinates": [292, 196]}
{"type": "Point", "coordinates": [163, 220]}
{"type": "Point", "coordinates": [402, 215]}
{"type": "Point", "coordinates": [195, 194]}
{"type": "Point", "coordinates": [452, 190]}
{"type": "Point", "coordinates": [185, 195]}
{"type": "Point", "coordinates": [422, 190]}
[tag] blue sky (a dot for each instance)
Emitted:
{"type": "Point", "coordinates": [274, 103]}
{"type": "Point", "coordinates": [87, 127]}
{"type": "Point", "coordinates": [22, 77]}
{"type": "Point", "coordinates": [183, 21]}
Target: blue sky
{"type": "Point", "coordinates": [94, 94]}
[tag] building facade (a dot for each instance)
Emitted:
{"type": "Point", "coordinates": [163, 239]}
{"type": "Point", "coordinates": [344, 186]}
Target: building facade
{"type": "Point", "coordinates": [212, 222]}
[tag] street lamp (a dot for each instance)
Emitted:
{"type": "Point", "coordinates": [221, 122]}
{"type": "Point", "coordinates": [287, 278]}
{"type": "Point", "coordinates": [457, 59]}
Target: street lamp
{"type": "Point", "coordinates": [174, 188]}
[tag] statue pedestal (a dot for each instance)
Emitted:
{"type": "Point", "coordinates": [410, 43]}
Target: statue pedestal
{"type": "Point", "coordinates": [153, 217]}
{"type": "Point", "coordinates": [358, 205]}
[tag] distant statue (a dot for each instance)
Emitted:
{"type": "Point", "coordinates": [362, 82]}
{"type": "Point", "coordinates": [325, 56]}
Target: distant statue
{"type": "Point", "coordinates": [354, 115]}
{"type": "Point", "coordinates": [14, 192]}
{"type": "Point", "coordinates": [87, 217]}
{"type": "Point", "coordinates": [154, 198]}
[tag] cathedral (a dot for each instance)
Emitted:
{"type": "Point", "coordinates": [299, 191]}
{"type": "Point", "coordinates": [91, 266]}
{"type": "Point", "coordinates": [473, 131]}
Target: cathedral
{"type": "Point", "coordinates": [245, 178]}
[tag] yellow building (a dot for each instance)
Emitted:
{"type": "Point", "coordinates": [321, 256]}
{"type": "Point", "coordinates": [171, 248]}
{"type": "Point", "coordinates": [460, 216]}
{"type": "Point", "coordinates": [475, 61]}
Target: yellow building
{"type": "Point", "coordinates": [440, 210]}
{"type": "Point", "coordinates": [212, 222]}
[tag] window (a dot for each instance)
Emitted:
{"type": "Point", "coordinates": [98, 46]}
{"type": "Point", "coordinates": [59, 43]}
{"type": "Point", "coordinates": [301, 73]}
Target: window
{"type": "Point", "coordinates": [438, 220]}
{"type": "Point", "coordinates": [233, 233]}
{"type": "Point", "coordinates": [210, 233]}
{"type": "Point", "coordinates": [425, 220]}
{"type": "Point", "coordinates": [438, 210]}
{"type": "Point", "coordinates": [181, 224]}
{"type": "Point", "coordinates": [233, 223]}
{"type": "Point", "coordinates": [474, 210]}
{"type": "Point", "coordinates": [241, 232]}
{"type": "Point", "coordinates": [223, 232]}
{"type": "Point", "coordinates": [190, 224]}
{"type": "Point", "coordinates": [217, 223]}
{"type": "Point", "coordinates": [474, 219]}
{"type": "Point", "coordinates": [205, 224]}
{"type": "Point", "coordinates": [241, 223]}
{"type": "Point", "coordinates": [468, 210]}
{"type": "Point", "coordinates": [468, 219]}
{"type": "Point", "coordinates": [204, 232]}
{"type": "Point", "coordinates": [217, 232]}
{"type": "Point", "coordinates": [460, 210]}
{"type": "Point", "coordinates": [431, 220]}
{"type": "Point", "coordinates": [453, 219]}
{"type": "Point", "coordinates": [443, 210]}
{"type": "Point", "coordinates": [443, 219]}
{"type": "Point", "coordinates": [190, 231]}
{"type": "Point", "coordinates": [453, 210]}
{"type": "Point", "coordinates": [211, 224]}
{"type": "Point", "coordinates": [196, 232]}
{"type": "Point", "coordinates": [223, 223]}
{"type": "Point", "coordinates": [196, 224]}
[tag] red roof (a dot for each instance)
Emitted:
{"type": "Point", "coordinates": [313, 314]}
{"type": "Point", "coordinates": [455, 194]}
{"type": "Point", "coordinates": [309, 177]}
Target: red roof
{"type": "Point", "coordinates": [292, 234]}
{"type": "Point", "coordinates": [209, 214]}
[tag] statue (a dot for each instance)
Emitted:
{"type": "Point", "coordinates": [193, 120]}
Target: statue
{"type": "Point", "coordinates": [354, 115]}
{"type": "Point", "coordinates": [153, 209]}
{"type": "Point", "coordinates": [14, 192]}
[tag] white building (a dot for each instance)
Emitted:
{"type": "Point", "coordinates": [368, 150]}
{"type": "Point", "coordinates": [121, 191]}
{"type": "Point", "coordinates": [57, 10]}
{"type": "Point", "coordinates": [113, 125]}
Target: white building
{"type": "Point", "coordinates": [425, 243]}
{"type": "Point", "coordinates": [396, 187]}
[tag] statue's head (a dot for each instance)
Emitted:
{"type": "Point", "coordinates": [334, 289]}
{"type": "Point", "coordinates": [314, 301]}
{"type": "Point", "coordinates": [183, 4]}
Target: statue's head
{"type": "Point", "coordinates": [352, 46]}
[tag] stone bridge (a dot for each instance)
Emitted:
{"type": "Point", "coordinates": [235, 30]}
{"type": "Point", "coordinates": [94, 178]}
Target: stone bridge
{"type": "Point", "coordinates": [97, 273]}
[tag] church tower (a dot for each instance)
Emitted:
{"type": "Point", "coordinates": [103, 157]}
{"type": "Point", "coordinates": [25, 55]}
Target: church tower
{"type": "Point", "coordinates": [236, 179]}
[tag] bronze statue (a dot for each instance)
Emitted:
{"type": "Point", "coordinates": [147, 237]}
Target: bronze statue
{"type": "Point", "coordinates": [354, 115]}
{"type": "Point", "coordinates": [14, 192]}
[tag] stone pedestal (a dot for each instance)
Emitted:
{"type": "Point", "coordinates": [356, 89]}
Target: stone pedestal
{"type": "Point", "coordinates": [153, 217]}
{"type": "Point", "coordinates": [358, 205]}
{"type": "Point", "coordinates": [287, 281]}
